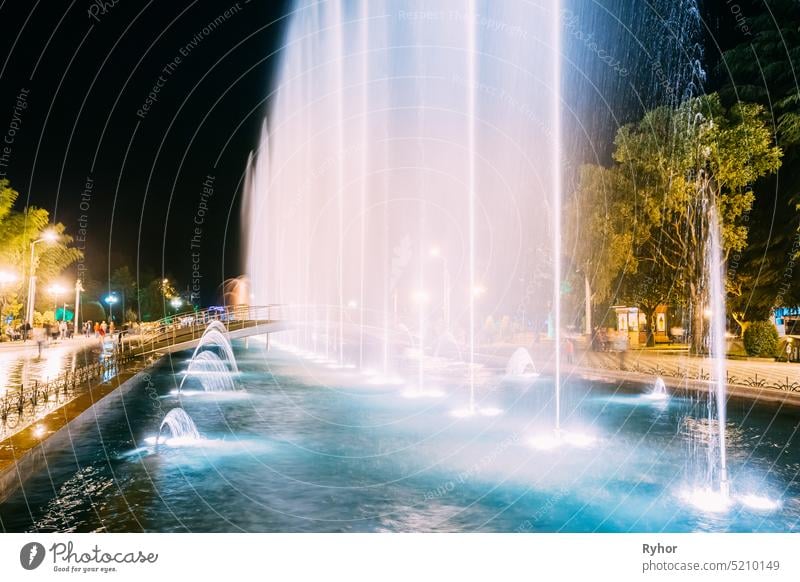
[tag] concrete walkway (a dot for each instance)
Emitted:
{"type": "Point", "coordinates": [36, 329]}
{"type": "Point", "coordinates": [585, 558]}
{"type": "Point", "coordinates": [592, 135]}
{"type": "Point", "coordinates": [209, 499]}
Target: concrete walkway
{"type": "Point", "coordinates": [20, 362]}
{"type": "Point", "coordinates": [740, 372]}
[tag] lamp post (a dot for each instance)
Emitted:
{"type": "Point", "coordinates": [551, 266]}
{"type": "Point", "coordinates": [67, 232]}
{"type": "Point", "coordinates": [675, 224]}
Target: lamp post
{"type": "Point", "coordinates": [47, 236]}
{"type": "Point", "coordinates": [436, 253]}
{"type": "Point", "coordinates": [59, 291]}
{"type": "Point", "coordinates": [110, 300]}
{"type": "Point", "coordinates": [78, 289]}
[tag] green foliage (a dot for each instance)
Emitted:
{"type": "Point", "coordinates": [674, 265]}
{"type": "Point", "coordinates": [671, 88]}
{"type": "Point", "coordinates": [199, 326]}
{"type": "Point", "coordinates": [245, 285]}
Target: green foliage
{"type": "Point", "coordinates": [92, 311]}
{"type": "Point", "coordinates": [762, 68]}
{"type": "Point", "coordinates": [17, 231]}
{"type": "Point", "coordinates": [669, 169]}
{"type": "Point", "coordinates": [597, 233]}
{"type": "Point", "coordinates": [761, 339]}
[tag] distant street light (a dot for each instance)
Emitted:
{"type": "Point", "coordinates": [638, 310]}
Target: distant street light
{"type": "Point", "coordinates": [58, 291]}
{"type": "Point", "coordinates": [111, 300]}
{"type": "Point", "coordinates": [176, 302]}
{"type": "Point", "coordinates": [6, 278]}
{"type": "Point", "coordinates": [49, 236]}
{"type": "Point", "coordinates": [78, 290]}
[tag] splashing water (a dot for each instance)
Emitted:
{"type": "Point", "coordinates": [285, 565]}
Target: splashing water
{"type": "Point", "coordinates": [180, 425]}
{"type": "Point", "coordinates": [520, 364]}
{"type": "Point", "coordinates": [390, 135]}
{"type": "Point", "coordinates": [213, 373]}
{"type": "Point", "coordinates": [659, 391]}
{"type": "Point", "coordinates": [215, 336]}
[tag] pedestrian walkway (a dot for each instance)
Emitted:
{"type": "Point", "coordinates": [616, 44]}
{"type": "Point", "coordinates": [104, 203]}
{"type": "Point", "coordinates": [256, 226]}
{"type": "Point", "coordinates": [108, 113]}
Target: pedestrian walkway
{"type": "Point", "coordinates": [761, 373]}
{"type": "Point", "coordinates": [20, 363]}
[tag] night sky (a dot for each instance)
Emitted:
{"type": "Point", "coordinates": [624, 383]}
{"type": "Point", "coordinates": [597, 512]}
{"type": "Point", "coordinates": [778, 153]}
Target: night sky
{"type": "Point", "coordinates": [96, 150]}
{"type": "Point", "coordinates": [130, 117]}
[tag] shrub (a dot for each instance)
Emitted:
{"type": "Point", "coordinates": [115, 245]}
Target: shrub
{"type": "Point", "coordinates": [761, 339]}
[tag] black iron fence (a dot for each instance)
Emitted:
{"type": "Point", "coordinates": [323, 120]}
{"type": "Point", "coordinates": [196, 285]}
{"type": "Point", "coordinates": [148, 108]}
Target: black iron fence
{"type": "Point", "coordinates": [788, 384]}
{"type": "Point", "coordinates": [23, 405]}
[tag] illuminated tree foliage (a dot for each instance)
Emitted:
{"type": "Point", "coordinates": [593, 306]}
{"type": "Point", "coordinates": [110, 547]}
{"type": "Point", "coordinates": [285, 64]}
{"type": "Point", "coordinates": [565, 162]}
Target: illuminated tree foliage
{"type": "Point", "coordinates": [18, 229]}
{"type": "Point", "coordinates": [670, 168]}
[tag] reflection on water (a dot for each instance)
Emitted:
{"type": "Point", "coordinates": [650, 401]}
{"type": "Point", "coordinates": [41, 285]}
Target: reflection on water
{"type": "Point", "coordinates": [23, 366]}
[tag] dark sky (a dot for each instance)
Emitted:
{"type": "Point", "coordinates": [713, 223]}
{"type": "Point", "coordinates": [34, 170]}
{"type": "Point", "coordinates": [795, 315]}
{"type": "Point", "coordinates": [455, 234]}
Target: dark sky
{"type": "Point", "coordinates": [86, 72]}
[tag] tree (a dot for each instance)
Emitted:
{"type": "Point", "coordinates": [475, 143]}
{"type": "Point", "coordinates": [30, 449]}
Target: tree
{"type": "Point", "coordinates": [17, 231]}
{"type": "Point", "coordinates": [598, 237]}
{"type": "Point", "coordinates": [154, 298]}
{"type": "Point", "coordinates": [673, 169]}
{"type": "Point", "coordinates": [761, 68]}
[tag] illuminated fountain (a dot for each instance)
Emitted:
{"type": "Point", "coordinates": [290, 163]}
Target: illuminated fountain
{"type": "Point", "coordinates": [215, 336]}
{"type": "Point", "coordinates": [388, 134]}
{"type": "Point", "coordinates": [180, 427]}
{"type": "Point", "coordinates": [520, 366]}
{"type": "Point", "coordinates": [659, 391]}
{"type": "Point", "coordinates": [211, 371]}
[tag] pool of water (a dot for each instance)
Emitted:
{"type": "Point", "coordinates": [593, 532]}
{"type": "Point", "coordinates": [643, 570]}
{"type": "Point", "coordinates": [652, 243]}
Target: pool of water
{"type": "Point", "coordinates": [302, 447]}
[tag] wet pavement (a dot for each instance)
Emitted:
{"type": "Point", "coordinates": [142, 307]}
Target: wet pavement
{"type": "Point", "coordinates": [20, 364]}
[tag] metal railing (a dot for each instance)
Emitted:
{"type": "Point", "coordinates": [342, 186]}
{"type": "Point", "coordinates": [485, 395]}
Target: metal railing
{"type": "Point", "coordinates": [23, 405]}
{"type": "Point", "coordinates": [786, 385]}
{"type": "Point", "coordinates": [191, 324]}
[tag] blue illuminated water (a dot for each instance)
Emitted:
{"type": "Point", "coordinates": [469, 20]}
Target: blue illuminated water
{"type": "Point", "coordinates": [296, 451]}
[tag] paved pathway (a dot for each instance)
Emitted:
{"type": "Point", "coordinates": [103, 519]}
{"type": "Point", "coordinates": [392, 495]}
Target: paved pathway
{"type": "Point", "coordinates": [742, 372]}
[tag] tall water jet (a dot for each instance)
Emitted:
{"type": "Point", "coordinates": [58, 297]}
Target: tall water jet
{"type": "Point", "coordinates": [556, 198]}
{"type": "Point", "coordinates": [472, 74]}
{"type": "Point", "coordinates": [180, 426]}
{"type": "Point", "coordinates": [718, 351]}
{"type": "Point", "coordinates": [421, 130]}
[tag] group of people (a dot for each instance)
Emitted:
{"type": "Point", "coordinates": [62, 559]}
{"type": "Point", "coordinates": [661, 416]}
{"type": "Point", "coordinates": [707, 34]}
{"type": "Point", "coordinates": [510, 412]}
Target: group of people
{"type": "Point", "coordinates": [98, 328]}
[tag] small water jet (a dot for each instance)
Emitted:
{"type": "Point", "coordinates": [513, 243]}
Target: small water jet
{"type": "Point", "coordinates": [549, 441]}
{"type": "Point", "coordinates": [216, 336]}
{"type": "Point", "coordinates": [211, 371]}
{"type": "Point", "coordinates": [659, 391]}
{"type": "Point", "coordinates": [181, 428]}
{"type": "Point", "coordinates": [520, 365]}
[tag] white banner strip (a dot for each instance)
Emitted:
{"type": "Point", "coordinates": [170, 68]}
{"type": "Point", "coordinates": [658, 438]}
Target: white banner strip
{"type": "Point", "coordinates": [401, 557]}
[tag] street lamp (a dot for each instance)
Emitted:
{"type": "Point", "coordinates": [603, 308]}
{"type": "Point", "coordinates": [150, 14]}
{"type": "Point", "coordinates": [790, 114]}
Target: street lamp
{"type": "Point", "coordinates": [78, 289]}
{"type": "Point", "coordinates": [59, 291]}
{"type": "Point", "coordinates": [49, 236]}
{"type": "Point", "coordinates": [176, 302]}
{"type": "Point", "coordinates": [478, 291]}
{"type": "Point", "coordinates": [420, 297]}
{"type": "Point", "coordinates": [110, 300]}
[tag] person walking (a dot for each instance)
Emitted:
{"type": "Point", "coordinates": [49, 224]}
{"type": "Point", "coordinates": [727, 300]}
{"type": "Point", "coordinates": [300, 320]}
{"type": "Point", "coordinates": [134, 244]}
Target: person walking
{"type": "Point", "coordinates": [570, 349]}
{"type": "Point", "coordinates": [96, 329]}
{"type": "Point", "coordinates": [62, 330]}
{"type": "Point", "coordinates": [39, 337]}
